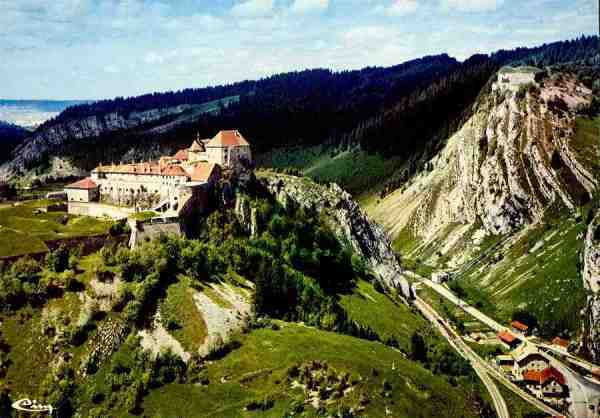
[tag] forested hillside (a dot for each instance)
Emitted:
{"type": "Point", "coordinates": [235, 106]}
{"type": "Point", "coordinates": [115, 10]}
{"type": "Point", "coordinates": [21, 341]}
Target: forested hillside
{"type": "Point", "coordinates": [10, 136]}
{"type": "Point", "coordinates": [403, 112]}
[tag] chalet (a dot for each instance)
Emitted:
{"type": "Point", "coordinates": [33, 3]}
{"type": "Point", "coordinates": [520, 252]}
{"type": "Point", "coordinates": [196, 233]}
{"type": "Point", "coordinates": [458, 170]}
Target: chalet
{"type": "Point", "coordinates": [529, 360]}
{"type": "Point", "coordinates": [548, 383]}
{"type": "Point", "coordinates": [508, 339]}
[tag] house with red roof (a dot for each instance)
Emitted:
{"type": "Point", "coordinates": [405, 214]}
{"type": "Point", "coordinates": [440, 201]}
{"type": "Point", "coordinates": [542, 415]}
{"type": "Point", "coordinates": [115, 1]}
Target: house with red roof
{"type": "Point", "coordinates": [529, 360]}
{"type": "Point", "coordinates": [85, 190]}
{"type": "Point", "coordinates": [228, 149]}
{"type": "Point", "coordinates": [206, 172]}
{"type": "Point", "coordinates": [560, 342]}
{"type": "Point", "coordinates": [518, 326]}
{"type": "Point", "coordinates": [548, 383]}
{"type": "Point", "coordinates": [508, 339]}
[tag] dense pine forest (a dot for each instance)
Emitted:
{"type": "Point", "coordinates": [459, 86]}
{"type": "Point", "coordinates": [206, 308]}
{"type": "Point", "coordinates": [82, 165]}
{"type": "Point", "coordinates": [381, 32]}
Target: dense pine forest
{"type": "Point", "coordinates": [10, 136]}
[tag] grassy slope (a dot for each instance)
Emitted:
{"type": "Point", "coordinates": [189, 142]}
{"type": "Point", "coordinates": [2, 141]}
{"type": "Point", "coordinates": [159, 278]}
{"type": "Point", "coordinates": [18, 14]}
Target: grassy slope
{"type": "Point", "coordinates": [179, 304]}
{"type": "Point", "coordinates": [258, 369]}
{"type": "Point", "coordinates": [542, 279]}
{"type": "Point", "coordinates": [586, 143]}
{"type": "Point", "coordinates": [22, 231]}
{"type": "Point", "coordinates": [356, 171]}
{"type": "Point", "coordinates": [29, 354]}
{"type": "Point", "coordinates": [381, 313]}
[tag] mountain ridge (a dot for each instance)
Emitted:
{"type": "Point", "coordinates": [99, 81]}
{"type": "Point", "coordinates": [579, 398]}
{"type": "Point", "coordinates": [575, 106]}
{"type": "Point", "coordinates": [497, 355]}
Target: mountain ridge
{"type": "Point", "coordinates": [345, 109]}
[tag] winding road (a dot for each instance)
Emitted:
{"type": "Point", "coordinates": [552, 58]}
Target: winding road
{"type": "Point", "coordinates": [465, 351]}
{"type": "Point", "coordinates": [585, 394]}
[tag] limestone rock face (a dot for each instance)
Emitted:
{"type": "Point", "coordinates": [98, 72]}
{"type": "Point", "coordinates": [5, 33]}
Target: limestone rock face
{"type": "Point", "coordinates": [348, 221]}
{"type": "Point", "coordinates": [51, 139]}
{"type": "Point", "coordinates": [591, 256]}
{"type": "Point", "coordinates": [590, 340]}
{"type": "Point", "coordinates": [246, 214]}
{"type": "Point", "coordinates": [511, 160]}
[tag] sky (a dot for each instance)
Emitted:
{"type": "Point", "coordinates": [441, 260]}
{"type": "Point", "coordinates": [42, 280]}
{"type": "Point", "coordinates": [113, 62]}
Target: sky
{"type": "Point", "coordinates": [92, 49]}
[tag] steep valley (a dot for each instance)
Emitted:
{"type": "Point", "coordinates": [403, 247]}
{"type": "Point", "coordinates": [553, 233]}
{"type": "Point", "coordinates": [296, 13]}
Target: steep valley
{"type": "Point", "coordinates": [503, 207]}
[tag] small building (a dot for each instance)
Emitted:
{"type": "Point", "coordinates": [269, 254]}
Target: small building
{"type": "Point", "coordinates": [561, 343]}
{"type": "Point", "coordinates": [519, 327]}
{"type": "Point", "coordinates": [60, 195]}
{"type": "Point", "coordinates": [505, 362]}
{"type": "Point", "coordinates": [529, 361]}
{"type": "Point", "coordinates": [548, 383]}
{"type": "Point", "coordinates": [85, 190]}
{"type": "Point", "coordinates": [512, 78]}
{"type": "Point", "coordinates": [228, 149]}
{"type": "Point", "coordinates": [509, 340]}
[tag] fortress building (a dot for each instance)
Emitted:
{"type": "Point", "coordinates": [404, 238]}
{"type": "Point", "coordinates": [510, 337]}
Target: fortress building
{"type": "Point", "coordinates": [512, 78]}
{"type": "Point", "coordinates": [159, 183]}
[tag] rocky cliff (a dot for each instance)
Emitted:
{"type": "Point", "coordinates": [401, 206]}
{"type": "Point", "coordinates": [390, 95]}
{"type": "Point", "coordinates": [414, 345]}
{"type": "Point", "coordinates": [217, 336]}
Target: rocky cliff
{"type": "Point", "coordinates": [590, 340]}
{"type": "Point", "coordinates": [348, 220]}
{"type": "Point", "coordinates": [516, 156]}
{"type": "Point", "coordinates": [51, 140]}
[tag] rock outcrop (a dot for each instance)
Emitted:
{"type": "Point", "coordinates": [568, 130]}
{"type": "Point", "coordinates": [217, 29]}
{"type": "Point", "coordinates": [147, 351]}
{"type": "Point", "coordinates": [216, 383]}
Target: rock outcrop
{"type": "Point", "coordinates": [511, 160]}
{"type": "Point", "coordinates": [348, 221]}
{"type": "Point", "coordinates": [590, 340]}
{"type": "Point", "coordinates": [52, 140]}
{"type": "Point", "coordinates": [53, 137]}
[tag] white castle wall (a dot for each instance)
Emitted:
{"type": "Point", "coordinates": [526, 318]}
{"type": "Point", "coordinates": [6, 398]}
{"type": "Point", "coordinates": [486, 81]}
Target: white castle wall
{"type": "Point", "coordinates": [141, 189]}
{"type": "Point", "coordinates": [512, 81]}
{"type": "Point", "coordinates": [98, 210]}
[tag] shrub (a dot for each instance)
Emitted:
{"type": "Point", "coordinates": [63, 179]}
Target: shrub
{"type": "Point", "coordinates": [58, 260]}
{"type": "Point", "coordinates": [119, 228]}
{"type": "Point", "coordinates": [260, 405]}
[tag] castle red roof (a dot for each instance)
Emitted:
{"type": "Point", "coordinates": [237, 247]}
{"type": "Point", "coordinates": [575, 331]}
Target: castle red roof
{"type": "Point", "coordinates": [519, 325]}
{"type": "Point", "coordinates": [228, 139]}
{"type": "Point", "coordinates": [85, 184]}
{"type": "Point", "coordinates": [532, 376]}
{"type": "Point", "coordinates": [203, 171]}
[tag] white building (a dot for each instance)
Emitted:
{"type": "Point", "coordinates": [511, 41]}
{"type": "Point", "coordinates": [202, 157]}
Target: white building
{"type": "Point", "coordinates": [512, 78]}
{"type": "Point", "coordinates": [228, 149]}
{"type": "Point", "coordinates": [147, 184]}
{"type": "Point", "coordinates": [85, 190]}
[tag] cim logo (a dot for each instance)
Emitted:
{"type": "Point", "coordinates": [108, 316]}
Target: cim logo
{"type": "Point", "coordinates": [27, 405]}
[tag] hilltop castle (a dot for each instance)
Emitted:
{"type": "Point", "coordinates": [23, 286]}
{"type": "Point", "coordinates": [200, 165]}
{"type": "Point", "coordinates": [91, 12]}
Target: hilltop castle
{"type": "Point", "coordinates": [146, 185]}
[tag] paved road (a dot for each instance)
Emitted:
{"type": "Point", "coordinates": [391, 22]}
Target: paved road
{"type": "Point", "coordinates": [458, 344]}
{"type": "Point", "coordinates": [481, 367]}
{"type": "Point", "coordinates": [445, 292]}
{"type": "Point", "coordinates": [584, 393]}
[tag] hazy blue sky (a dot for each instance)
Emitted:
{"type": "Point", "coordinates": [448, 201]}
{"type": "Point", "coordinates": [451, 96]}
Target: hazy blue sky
{"type": "Point", "coordinates": [103, 48]}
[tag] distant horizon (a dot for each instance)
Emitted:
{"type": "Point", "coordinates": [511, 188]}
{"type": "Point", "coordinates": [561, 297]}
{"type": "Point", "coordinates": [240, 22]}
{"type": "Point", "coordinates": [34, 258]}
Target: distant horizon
{"type": "Point", "coordinates": [337, 70]}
